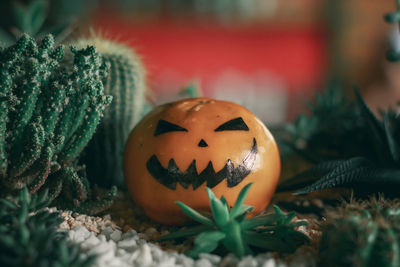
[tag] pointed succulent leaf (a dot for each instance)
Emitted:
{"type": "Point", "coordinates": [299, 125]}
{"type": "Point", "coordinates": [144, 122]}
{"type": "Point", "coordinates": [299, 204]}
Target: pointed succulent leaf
{"type": "Point", "coordinates": [205, 243]}
{"type": "Point", "coordinates": [24, 196]}
{"type": "Point", "coordinates": [194, 214]}
{"type": "Point", "coordinates": [345, 173]}
{"type": "Point", "coordinates": [234, 239]}
{"type": "Point", "coordinates": [237, 208]}
{"type": "Point", "coordinates": [23, 213]}
{"type": "Point", "coordinates": [37, 10]}
{"type": "Point", "coordinates": [219, 211]}
{"type": "Point", "coordinates": [308, 176]}
{"type": "Point", "coordinates": [264, 241]}
{"type": "Point", "coordinates": [8, 204]}
{"type": "Point", "coordinates": [223, 200]}
{"type": "Point", "coordinates": [22, 17]}
{"type": "Point", "coordinates": [375, 126]}
{"type": "Point", "coordinates": [392, 143]}
{"type": "Point", "coordinates": [186, 232]}
{"type": "Point", "coordinates": [285, 219]}
{"type": "Point", "coordinates": [261, 220]}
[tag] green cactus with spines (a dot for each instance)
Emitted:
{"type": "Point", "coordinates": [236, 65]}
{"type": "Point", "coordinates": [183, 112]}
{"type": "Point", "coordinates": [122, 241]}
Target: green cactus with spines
{"type": "Point", "coordinates": [362, 234]}
{"type": "Point", "coordinates": [127, 84]}
{"type": "Point", "coordinates": [49, 110]}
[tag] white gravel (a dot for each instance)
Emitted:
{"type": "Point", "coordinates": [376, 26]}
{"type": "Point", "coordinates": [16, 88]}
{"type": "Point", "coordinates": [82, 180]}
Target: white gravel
{"type": "Point", "coordinates": [118, 249]}
{"type": "Point", "coordinates": [102, 237]}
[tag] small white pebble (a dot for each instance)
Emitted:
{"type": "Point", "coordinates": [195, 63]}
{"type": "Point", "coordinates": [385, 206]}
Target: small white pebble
{"type": "Point", "coordinates": [81, 218]}
{"type": "Point", "coordinates": [269, 263]}
{"type": "Point", "coordinates": [248, 262]}
{"type": "Point", "coordinates": [168, 262]}
{"type": "Point", "coordinates": [107, 231]}
{"type": "Point", "coordinates": [102, 238]}
{"type": "Point", "coordinates": [202, 263]}
{"type": "Point", "coordinates": [89, 243]}
{"type": "Point", "coordinates": [183, 260]}
{"type": "Point", "coordinates": [116, 235]}
{"type": "Point", "coordinates": [129, 234]}
{"type": "Point", "coordinates": [81, 233]}
{"type": "Point", "coordinates": [144, 258]}
{"type": "Point", "coordinates": [127, 244]}
{"type": "Point", "coordinates": [214, 259]}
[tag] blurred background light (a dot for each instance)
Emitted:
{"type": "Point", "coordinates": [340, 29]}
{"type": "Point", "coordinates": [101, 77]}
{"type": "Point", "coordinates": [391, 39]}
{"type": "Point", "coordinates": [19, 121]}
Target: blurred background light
{"type": "Point", "coordinates": [267, 55]}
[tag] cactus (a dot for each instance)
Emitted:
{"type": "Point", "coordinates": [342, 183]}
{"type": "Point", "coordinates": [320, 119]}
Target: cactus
{"type": "Point", "coordinates": [49, 109]}
{"type": "Point", "coordinates": [127, 85]}
{"type": "Point", "coordinates": [362, 234]}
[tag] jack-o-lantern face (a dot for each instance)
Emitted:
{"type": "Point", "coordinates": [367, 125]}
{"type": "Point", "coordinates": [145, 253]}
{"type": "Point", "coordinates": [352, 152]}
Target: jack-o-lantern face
{"type": "Point", "coordinates": [181, 147]}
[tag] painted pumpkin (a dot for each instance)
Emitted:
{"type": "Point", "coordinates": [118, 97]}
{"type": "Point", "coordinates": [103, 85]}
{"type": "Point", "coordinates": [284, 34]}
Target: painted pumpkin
{"type": "Point", "coordinates": [180, 148]}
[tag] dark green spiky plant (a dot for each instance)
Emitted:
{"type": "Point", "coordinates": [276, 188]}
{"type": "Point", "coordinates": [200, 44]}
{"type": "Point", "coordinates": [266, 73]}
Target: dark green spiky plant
{"type": "Point", "coordinates": [29, 235]}
{"type": "Point", "coordinates": [378, 171]}
{"type": "Point", "coordinates": [126, 83]}
{"type": "Point", "coordinates": [230, 228]}
{"type": "Point", "coordinates": [362, 234]}
{"type": "Point", "coordinates": [48, 112]}
{"type": "Point", "coordinates": [328, 130]}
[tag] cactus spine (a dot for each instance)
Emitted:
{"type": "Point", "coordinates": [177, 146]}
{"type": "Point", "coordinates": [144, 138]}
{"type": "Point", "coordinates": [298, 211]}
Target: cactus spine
{"type": "Point", "coordinates": [127, 85]}
{"type": "Point", "coordinates": [362, 234]}
{"type": "Point", "coordinates": [49, 110]}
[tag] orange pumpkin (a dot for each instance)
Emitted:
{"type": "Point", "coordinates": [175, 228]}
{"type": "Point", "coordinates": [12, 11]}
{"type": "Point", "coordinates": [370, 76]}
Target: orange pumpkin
{"type": "Point", "coordinates": [180, 148]}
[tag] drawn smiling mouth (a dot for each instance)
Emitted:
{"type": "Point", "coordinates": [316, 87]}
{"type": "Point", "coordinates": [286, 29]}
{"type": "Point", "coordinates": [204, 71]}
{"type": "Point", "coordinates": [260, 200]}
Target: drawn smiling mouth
{"type": "Point", "coordinates": [172, 175]}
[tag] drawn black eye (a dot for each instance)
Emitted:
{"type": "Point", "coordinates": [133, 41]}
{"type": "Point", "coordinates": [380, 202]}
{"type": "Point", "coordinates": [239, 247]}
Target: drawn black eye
{"type": "Point", "coordinates": [236, 124]}
{"type": "Point", "coordinates": [165, 127]}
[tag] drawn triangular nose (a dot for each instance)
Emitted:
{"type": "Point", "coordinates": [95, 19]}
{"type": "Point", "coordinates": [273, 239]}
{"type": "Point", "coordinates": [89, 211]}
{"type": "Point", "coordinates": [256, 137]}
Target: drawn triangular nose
{"type": "Point", "coordinates": [202, 143]}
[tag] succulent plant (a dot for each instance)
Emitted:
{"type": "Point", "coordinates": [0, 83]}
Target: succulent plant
{"type": "Point", "coordinates": [126, 83]}
{"type": "Point", "coordinates": [362, 234]}
{"type": "Point", "coordinates": [49, 110]}
{"type": "Point", "coordinates": [367, 173]}
{"type": "Point", "coordinates": [328, 129]}
{"type": "Point", "coordinates": [230, 228]}
{"type": "Point", "coordinates": [29, 235]}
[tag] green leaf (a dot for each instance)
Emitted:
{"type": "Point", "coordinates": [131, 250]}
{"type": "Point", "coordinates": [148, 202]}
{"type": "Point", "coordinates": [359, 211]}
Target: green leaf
{"type": "Point", "coordinates": [5, 38]}
{"type": "Point", "coordinates": [392, 144]}
{"type": "Point", "coordinates": [24, 195]}
{"type": "Point", "coordinates": [22, 17]}
{"type": "Point", "coordinates": [219, 211]}
{"type": "Point", "coordinates": [308, 176]}
{"type": "Point", "coordinates": [265, 241]}
{"type": "Point", "coordinates": [234, 240]}
{"type": "Point", "coordinates": [37, 10]}
{"type": "Point", "coordinates": [345, 173]}
{"type": "Point", "coordinates": [223, 200]}
{"type": "Point", "coordinates": [375, 126]}
{"type": "Point", "coordinates": [237, 208]}
{"type": "Point", "coordinates": [43, 199]}
{"type": "Point", "coordinates": [185, 232]}
{"type": "Point", "coordinates": [24, 234]}
{"type": "Point", "coordinates": [284, 219]}
{"type": "Point", "coordinates": [194, 214]}
{"type": "Point", "coordinates": [263, 220]}
{"type": "Point", "coordinates": [205, 243]}
{"type": "Point", "coordinates": [8, 204]}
